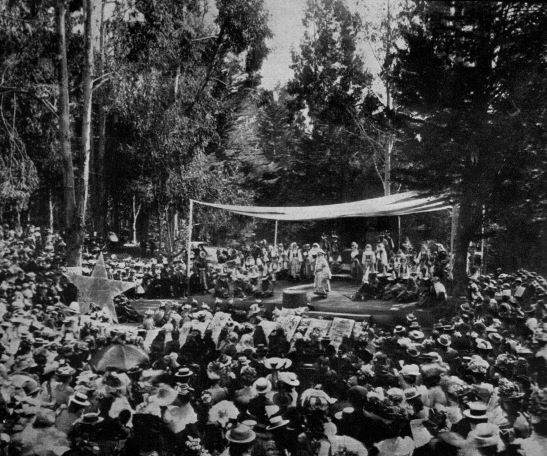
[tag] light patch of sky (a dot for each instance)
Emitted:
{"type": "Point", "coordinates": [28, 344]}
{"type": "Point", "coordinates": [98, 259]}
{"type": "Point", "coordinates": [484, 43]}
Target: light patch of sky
{"type": "Point", "coordinates": [287, 28]}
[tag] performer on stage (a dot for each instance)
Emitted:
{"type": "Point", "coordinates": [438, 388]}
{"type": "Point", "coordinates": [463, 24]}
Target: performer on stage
{"type": "Point", "coordinates": [355, 267]}
{"type": "Point", "coordinates": [322, 274]}
{"type": "Point", "coordinates": [295, 260]}
{"type": "Point", "coordinates": [368, 262]}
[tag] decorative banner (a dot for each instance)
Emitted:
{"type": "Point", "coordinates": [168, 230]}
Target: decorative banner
{"type": "Point", "coordinates": [184, 331]}
{"type": "Point", "coordinates": [217, 325]}
{"type": "Point", "coordinates": [420, 434]}
{"type": "Point", "coordinates": [359, 328]}
{"type": "Point", "coordinates": [341, 327]}
{"type": "Point", "coordinates": [150, 336]}
{"type": "Point", "coordinates": [304, 325]}
{"type": "Point", "coordinates": [519, 292]}
{"type": "Point", "coordinates": [201, 326]}
{"type": "Point", "coordinates": [268, 327]}
{"type": "Point", "coordinates": [289, 323]}
{"type": "Point", "coordinates": [320, 326]}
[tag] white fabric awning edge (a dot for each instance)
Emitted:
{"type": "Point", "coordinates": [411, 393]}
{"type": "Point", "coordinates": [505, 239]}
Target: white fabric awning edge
{"type": "Point", "coordinates": [399, 204]}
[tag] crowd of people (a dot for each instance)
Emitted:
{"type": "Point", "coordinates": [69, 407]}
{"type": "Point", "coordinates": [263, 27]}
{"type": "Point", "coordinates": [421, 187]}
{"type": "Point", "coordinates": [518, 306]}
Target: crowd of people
{"type": "Point", "coordinates": [474, 384]}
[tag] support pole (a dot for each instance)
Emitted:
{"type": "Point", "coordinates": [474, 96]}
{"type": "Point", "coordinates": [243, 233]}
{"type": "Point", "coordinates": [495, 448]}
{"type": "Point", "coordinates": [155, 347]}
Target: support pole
{"type": "Point", "coordinates": [483, 269]}
{"type": "Point", "coordinates": [455, 216]}
{"type": "Point", "coordinates": [189, 246]}
{"type": "Point", "coordinates": [275, 234]}
{"type": "Point", "coordinates": [398, 232]}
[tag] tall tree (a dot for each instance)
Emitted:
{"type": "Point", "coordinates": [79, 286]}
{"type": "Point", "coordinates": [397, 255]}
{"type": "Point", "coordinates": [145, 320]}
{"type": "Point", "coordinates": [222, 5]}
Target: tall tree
{"type": "Point", "coordinates": [471, 70]}
{"type": "Point", "coordinates": [330, 91]}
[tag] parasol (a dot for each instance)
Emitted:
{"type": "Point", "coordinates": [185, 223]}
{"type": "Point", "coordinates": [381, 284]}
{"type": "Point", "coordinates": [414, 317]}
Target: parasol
{"type": "Point", "coordinates": [119, 356]}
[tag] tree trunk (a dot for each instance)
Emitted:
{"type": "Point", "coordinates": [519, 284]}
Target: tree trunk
{"type": "Point", "coordinates": [72, 241]}
{"type": "Point", "coordinates": [87, 91]}
{"type": "Point", "coordinates": [100, 191]}
{"type": "Point", "coordinates": [51, 217]}
{"type": "Point", "coordinates": [464, 235]}
{"type": "Point", "coordinates": [136, 211]}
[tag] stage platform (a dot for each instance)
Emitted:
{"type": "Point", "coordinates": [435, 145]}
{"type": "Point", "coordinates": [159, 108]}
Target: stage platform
{"type": "Point", "coordinates": [337, 304]}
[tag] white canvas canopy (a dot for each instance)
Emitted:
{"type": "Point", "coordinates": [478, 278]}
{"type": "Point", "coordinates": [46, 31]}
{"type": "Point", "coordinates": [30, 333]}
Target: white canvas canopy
{"type": "Point", "coordinates": [399, 204]}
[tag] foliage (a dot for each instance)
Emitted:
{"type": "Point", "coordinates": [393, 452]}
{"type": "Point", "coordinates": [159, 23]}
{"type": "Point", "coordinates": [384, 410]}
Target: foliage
{"type": "Point", "coordinates": [331, 93]}
{"type": "Point", "coordinates": [471, 72]}
{"type": "Point", "coordinates": [175, 82]}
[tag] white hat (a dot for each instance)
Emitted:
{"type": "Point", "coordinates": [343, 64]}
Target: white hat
{"type": "Point", "coordinates": [397, 446]}
{"type": "Point", "coordinates": [410, 369]}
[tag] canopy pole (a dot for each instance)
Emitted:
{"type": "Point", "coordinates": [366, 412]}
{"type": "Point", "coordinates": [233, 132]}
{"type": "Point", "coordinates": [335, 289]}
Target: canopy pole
{"type": "Point", "coordinates": [398, 232]}
{"type": "Point", "coordinates": [189, 246]}
{"type": "Point", "coordinates": [455, 216]}
{"type": "Point", "coordinates": [482, 269]}
{"type": "Point", "coordinates": [275, 234]}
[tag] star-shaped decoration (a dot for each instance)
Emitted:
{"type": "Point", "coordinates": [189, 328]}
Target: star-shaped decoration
{"type": "Point", "coordinates": [98, 288]}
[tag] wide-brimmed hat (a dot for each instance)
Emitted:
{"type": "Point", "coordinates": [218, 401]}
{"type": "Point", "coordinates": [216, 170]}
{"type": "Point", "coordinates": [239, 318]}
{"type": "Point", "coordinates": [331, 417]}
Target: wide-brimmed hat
{"type": "Point", "coordinates": [183, 389]}
{"type": "Point", "coordinates": [262, 385]}
{"type": "Point", "coordinates": [396, 447]}
{"type": "Point", "coordinates": [483, 344]}
{"type": "Point", "coordinates": [411, 393]}
{"type": "Point", "coordinates": [65, 371]}
{"type": "Point", "coordinates": [277, 421]}
{"type": "Point", "coordinates": [416, 334]}
{"type": "Point", "coordinates": [509, 391]}
{"type": "Point", "coordinates": [495, 337]}
{"type": "Point", "coordinates": [410, 370]}
{"type": "Point", "coordinates": [44, 419]}
{"type": "Point", "coordinates": [289, 378]}
{"type": "Point", "coordinates": [241, 434]}
{"type": "Point", "coordinates": [277, 363]}
{"type": "Point", "coordinates": [444, 340]}
{"type": "Point", "coordinates": [410, 317]}
{"type": "Point", "coordinates": [399, 329]}
{"type": "Point", "coordinates": [477, 411]}
{"type": "Point", "coordinates": [164, 396]}
{"type": "Point", "coordinates": [90, 418]}
{"type": "Point", "coordinates": [183, 373]}
{"type": "Point", "coordinates": [345, 412]}
{"type": "Point", "coordinates": [80, 399]}
{"type": "Point", "coordinates": [485, 435]}
{"type": "Point", "coordinates": [413, 351]}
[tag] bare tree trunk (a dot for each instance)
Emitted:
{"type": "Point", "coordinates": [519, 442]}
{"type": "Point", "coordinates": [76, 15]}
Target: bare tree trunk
{"type": "Point", "coordinates": [72, 241]}
{"type": "Point", "coordinates": [136, 211]}
{"type": "Point", "coordinates": [87, 103]}
{"type": "Point", "coordinates": [51, 211]}
{"type": "Point", "coordinates": [464, 235]}
{"type": "Point", "coordinates": [100, 190]}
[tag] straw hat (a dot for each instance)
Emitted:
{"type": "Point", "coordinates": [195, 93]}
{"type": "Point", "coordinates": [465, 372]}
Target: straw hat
{"type": "Point", "coordinates": [277, 421]}
{"type": "Point", "coordinates": [165, 395]}
{"type": "Point", "coordinates": [241, 434]}
{"type": "Point", "coordinates": [411, 393]}
{"type": "Point", "coordinates": [477, 411]}
{"type": "Point", "coordinates": [289, 378]}
{"type": "Point", "coordinates": [184, 373]}
{"type": "Point", "coordinates": [262, 385]}
{"type": "Point", "coordinates": [80, 399]}
{"type": "Point", "coordinates": [90, 418]}
{"type": "Point", "coordinates": [65, 371]}
{"type": "Point", "coordinates": [444, 340]}
{"type": "Point", "coordinates": [410, 370]}
{"type": "Point", "coordinates": [277, 363]}
{"type": "Point", "coordinates": [344, 413]}
{"type": "Point", "coordinates": [416, 335]}
{"type": "Point", "coordinates": [485, 435]}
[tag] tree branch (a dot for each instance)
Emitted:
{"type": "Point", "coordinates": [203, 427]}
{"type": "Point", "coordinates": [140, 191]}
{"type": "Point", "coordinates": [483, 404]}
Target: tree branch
{"type": "Point", "coordinates": [22, 91]}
